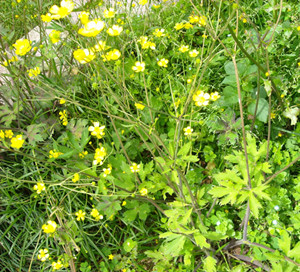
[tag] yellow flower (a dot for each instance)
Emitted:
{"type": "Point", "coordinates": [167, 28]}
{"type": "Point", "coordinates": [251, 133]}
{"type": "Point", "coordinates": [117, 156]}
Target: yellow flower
{"type": "Point", "coordinates": [43, 254]}
{"type": "Point", "coordinates": [100, 46]}
{"type": "Point", "coordinates": [159, 32]}
{"type": "Point", "coordinates": [84, 17]}
{"type": "Point", "coordinates": [110, 257]}
{"type": "Point", "coordinates": [17, 142]}
{"type": "Point", "coordinates": [163, 63]}
{"type": "Point", "coordinates": [76, 177]}
{"type": "Point", "coordinates": [143, 2]}
{"type": "Point", "coordinates": [298, 28]}
{"type": "Point", "coordinates": [143, 191]}
{"type": "Point", "coordinates": [66, 7]}
{"type": "Point", "coordinates": [124, 203]}
{"type": "Point", "coordinates": [109, 13]}
{"type": "Point", "coordinates": [9, 133]}
{"type": "Point", "coordinates": [183, 48]}
{"type": "Point", "coordinates": [188, 131]}
{"type": "Point", "coordinates": [50, 227]}
{"type": "Point", "coordinates": [63, 117]}
{"type": "Point", "coordinates": [22, 47]}
{"type": "Point", "coordinates": [96, 215]}
{"type": "Point", "coordinates": [201, 98]}
{"type": "Point", "coordinates": [193, 53]}
{"type": "Point", "coordinates": [139, 67]}
{"type": "Point", "coordinates": [96, 130]}
{"type": "Point", "coordinates": [143, 40]}
{"type": "Point", "coordinates": [54, 36]}
{"type": "Point", "coordinates": [194, 19]}
{"type": "Point", "coordinates": [189, 81]}
{"type": "Point", "coordinates": [100, 153]}
{"type": "Point", "coordinates": [46, 18]}
{"type": "Point", "coordinates": [62, 101]}
{"type": "Point", "coordinates": [92, 28]}
{"type": "Point", "coordinates": [273, 115]}
{"type": "Point", "coordinates": [2, 135]}
{"type": "Point", "coordinates": [214, 96]}
{"type": "Point", "coordinates": [57, 265]}
{"type": "Point", "coordinates": [34, 72]}
{"type": "Point", "coordinates": [267, 74]}
{"type": "Point", "coordinates": [39, 187]}
{"type": "Point", "coordinates": [139, 106]}
{"type": "Point", "coordinates": [179, 26]}
{"type": "Point", "coordinates": [106, 171]}
{"type": "Point", "coordinates": [54, 154]}
{"type": "Point", "coordinates": [115, 30]}
{"type": "Point", "coordinates": [112, 55]}
{"type": "Point", "coordinates": [202, 20]}
{"type": "Point", "coordinates": [135, 168]}
{"type": "Point", "coordinates": [83, 55]}
{"type": "Point", "coordinates": [156, 6]}
{"type": "Point", "coordinates": [83, 154]}
{"type": "Point", "coordinates": [80, 215]}
{"type": "Point", "coordinates": [188, 25]}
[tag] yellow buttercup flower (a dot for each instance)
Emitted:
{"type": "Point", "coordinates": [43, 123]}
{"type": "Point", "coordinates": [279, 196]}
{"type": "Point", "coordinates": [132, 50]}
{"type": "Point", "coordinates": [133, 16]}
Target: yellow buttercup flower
{"type": "Point", "coordinates": [202, 20]}
{"type": "Point", "coordinates": [92, 28]}
{"type": "Point", "coordinates": [112, 55]}
{"type": "Point", "coordinates": [50, 227]}
{"type": "Point", "coordinates": [54, 36]}
{"type": "Point", "coordinates": [100, 46]}
{"type": "Point", "coordinates": [106, 171]}
{"type": "Point", "coordinates": [22, 47]}
{"type": "Point", "coordinates": [188, 25]}
{"type": "Point", "coordinates": [143, 40]}
{"type": "Point", "coordinates": [201, 98]}
{"type": "Point", "coordinates": [179, 26]}
{"type": "Point", "coordinates": [159, 32]}
{"type": "Point", "coordinates": [188, 131]}
{"type": "Point", "coordinates": [110, 257]}
{"type": "Point", "coordinates": [66, 7]}
{"type": "Point", "coordinates": [83, 55]}
{"type": "Point", "coordinates": [84, 17]}
{"type": "Point", "coordinates": [63, 117]}
{"type": "Point", "coordinates": [144, 192]}
{"type": "Point", "coordinates": [9, 133]}
{"type": "Point", "coordinates": [183, 48]}
{"type": "Point", "coordinates": [109, 13]}
{"type": "Point", "coordinates": [80, 215]}
{"type": "Point", "coordinates": [139, 106]}
{"type": "Point", "coordinates": [135, 167]}
{"type": "Point", "coordinates": [43, 254]}
{"type": "Point", "coordinates": [193, 53]}
{"type": "Point", "coordinates": [62, 101]}
{"type": "Point", "coordinates": [17, 142]}
{"type": "Point", "coordinates": [163, 63]}
{"type": "Point", "coordinates": [214, 96]}
{"type": "Point", "coordinates": [82, 154]}
{"type": "Point", "coordinates": [97, 130]}
{"type": "Point", "coordinates": [46, 18]}
{"type": "Point", "coordinates": [34, 72]}
{"type": "Point", "coordinates": [115, 30]}
{"type": "Point", "coordinates": [100, 153]}
{"type": "Point", "coordinates": [54, 154]}
{"type": "Point", "coordinates": [39, 187]}
{"type": "Point", "coordinates": [76, 177]}
{"type": "Point", "coordinates": [139, 67]}
{"type": "Point", "coordinates": [57, 265]}
{"type": "Point", "coordinates": [143, 2]}
{"type": "Point", "coordinates": [95, 213]}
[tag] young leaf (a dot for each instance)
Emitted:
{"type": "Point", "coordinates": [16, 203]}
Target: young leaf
{"type": "Point", "coordinates": [210, 264]}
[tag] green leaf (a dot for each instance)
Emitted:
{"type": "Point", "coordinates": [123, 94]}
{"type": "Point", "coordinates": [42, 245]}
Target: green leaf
{"type": "Point", "coordinates": [262, 110]}
{"type": "Point", "coordinates": [174, 247]}
{"type": "Point", "coordinates": [210, 264]}
{"type": "Point", "coordinates": [200, 240]}
{"type": "Point", "coordinates": [254, 205]}
{"type": "Point", "coordinates": [129, 244]}
{"type": "Point", "coordinates": [185, 149]}
{"type": "Point", "coordinates": [285, 242]}
{"type": "Point", "coordinates": [230, 95]}
{"type": "Point", "coordinates": [268, 86]}
{"type": "Point", "coordinates": [295, 252]}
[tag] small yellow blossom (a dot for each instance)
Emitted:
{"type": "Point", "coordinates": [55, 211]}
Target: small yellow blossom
{"type": "Point", "coordinates": [109, 13]}
{"type": "Point", "coordinates": [183, 48]}
{"type": "Point", "coordinates": [159, 32]}
{"type": "Point", "coordinates": [135, 167]}
{"type": "Point", "coordinates": [273, 115]}
{"type": "Point", "coordinates": [115, 30]}
{"type": "Point", "coordinates": [17, 142]}
{"type": "Point", "coordinates": [163, 63]}
{"type": "Point", "coordinates": [112, 55]}
{"type": "Point", "coordinates": [43, 254]}
{"type": "Point", "coordinates": [194, 19]}
{"type": "Point", "coordinates": [133, 5]}
{"type": "Point", "coordinates": [76, 177]}
{"type": "Point", "coordinates": [214, 96]}
{"type": "Point", "coordinates": [83, 55]}
{"type": "Point", "coordinates": [54, 154]}
{"type": "Point", "coordinates": [156, 6]}
{"type": "Point", "coordinates": [97, 130]}
{"type": "Point", "coordinates": [145, 43]}
{"type": "Point", "coordinates": [39, 187]}
{"type": "Point", "coordinates": [82, 154]}
{"type": "Point", "coordinates": [110, 257]}
{"type": "Point", "coordinates": [80, 215]}
{"type": "Point", "coordinates": [100, 153]}
{"type": "Point", "coordinates": [201, 98]}
{"type": "Point", "coordinates": [124, 270]}
{"type": "Point", "coordinates": [139, 67]}
{"type": "Point", "coordinates": [101, 46]}
{"type": "Point", "coordinates": [66, 7]}
{"type": "Point", "coordinates": [54, 36]}
{"type": "Point", "coordinates": [63, 117]}
{"type": "Point", "coordinates": [62, 101]}
{"type": "Point", "coordinates": [84, 17]}
{"type": "Point", "coordinates": [57, 265]}
{"type": "Point", "coordinates": [143, 2]}
{"type": "Point", "coordinates": [267, 74]}
{"type": "Point", "coordinates": [124, 203]}
{"type": "Point", "coordinates": [189, 81]}
{"type": "Point", "coordinates": [92, 28]}
{"type": "Point", "coordinates": [179, 26]}
{"type": "Point", "coordinates": [95, 213]}
{"type": "Point", "coordinates": [188, 131]}
{"type": "Point", "coordinates": [2, 135]}
{"type": "Point", "coordinates": [22, 46]}
{"type": "Point", "coordinates": [50, 227]}
{"type": "Point", "coordinates": [106, 171]}
{"type": "Point", "coordinates": [279, 134]}
{"type": "Point", "coordinates": [202, 20]}
{"type": "Point", "coordinates": [9, 133]}
{"type": "Point", "coordinates": [204, 36]}
{"type": "Point", "coordinates": [144, 192]}
{"type": "Point", "coordinates": [188, 25]}
{"type": "Point", "coordinates": [34, 72]}
{"type": "Point", "coordinates": [298, 28]}
{"type": "Point", "coordinates": [139, 106]}
{"type": "Point", "coordinates": [193, 53]}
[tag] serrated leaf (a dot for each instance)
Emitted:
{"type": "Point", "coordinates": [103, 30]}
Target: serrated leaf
{"type": "Point", "coordinates": [129, 244]}
{"type": "Point", "coordinates": [210, 264]}
{"type": "Point", "coordinates": [174, 247]}
{"type": "Point", "coordinates": [295, 252]}
{"type": "Point", "coordinates": [201, 240]}
{"type": "Point", "coordinates": [185, 149]}
{"type": "Point", "coordinates": [285, 242]}
{"type": "Point", "coordinates": [254, 204]}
